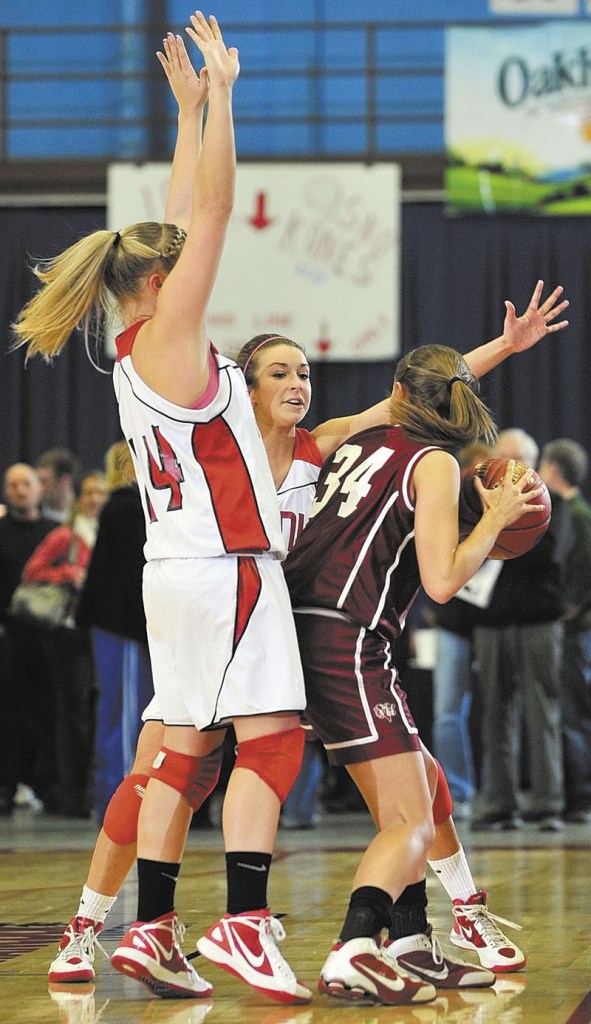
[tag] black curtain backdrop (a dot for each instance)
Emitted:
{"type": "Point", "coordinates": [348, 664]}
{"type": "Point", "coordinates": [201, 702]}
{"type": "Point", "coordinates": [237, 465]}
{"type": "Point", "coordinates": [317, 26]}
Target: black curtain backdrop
{"type": "Point", "coordinates": [67, 403]}
{"type": "Point", "coordinates": [456, 274]}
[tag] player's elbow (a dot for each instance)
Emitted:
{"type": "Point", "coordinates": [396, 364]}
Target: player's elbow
{"type": "Point", "coordinates": [440, 591]}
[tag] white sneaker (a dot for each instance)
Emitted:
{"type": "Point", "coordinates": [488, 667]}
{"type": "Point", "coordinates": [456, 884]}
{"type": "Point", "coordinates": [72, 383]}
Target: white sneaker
{"type": "Point", "coordinates": [475, 928]}
{"type": "Point", "coordinates": [75, 959]}
{"type": "Point", "coordinates": [25, 797]}
{"type": "Point", "coordinates": [150, 952]}
{"type": "Point", "coordinates": [422, 956]}
{"type": "Point", "coordinates": [246, 945]}
{"type": "Point", "coordinates": [358, 970]}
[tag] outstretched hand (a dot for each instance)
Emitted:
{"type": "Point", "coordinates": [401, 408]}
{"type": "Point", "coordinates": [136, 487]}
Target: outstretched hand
{"type": "Point", "coordinates": [189, 88]}
{"type": "Point", "coordinates": [221, 63]}
{"type": "Point", "coordinates": [522, 332]}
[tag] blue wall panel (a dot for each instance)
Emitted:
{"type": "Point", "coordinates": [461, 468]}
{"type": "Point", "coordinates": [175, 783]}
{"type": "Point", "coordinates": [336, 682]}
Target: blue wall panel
{"type": "Point", "coordinates": [287, 75]}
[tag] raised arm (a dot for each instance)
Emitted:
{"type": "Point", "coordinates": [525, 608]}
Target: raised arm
{"type": "Point", "coordinates": [172, 349]}
{"type": "Point", "coordinates": [520, 332]}
{"type": "Point", "coordinates": [190, 91]}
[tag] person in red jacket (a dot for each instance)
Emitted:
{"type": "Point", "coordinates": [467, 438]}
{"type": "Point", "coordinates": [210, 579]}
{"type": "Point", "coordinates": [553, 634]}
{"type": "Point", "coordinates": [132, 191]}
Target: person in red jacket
{"type": "Point", "coordinates": [63, 557]}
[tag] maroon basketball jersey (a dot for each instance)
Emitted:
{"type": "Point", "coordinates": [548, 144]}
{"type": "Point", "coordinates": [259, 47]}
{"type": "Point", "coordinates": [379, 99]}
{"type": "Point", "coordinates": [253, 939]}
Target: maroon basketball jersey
{"type": "Point", "coordinates": [357, 554]}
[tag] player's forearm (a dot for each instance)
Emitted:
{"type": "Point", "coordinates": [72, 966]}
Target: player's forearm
{"type": "Point", "coordinates": [216, 168]}
{"type": "Point", "coordinates": [331, 434]}
{"type": "Point", "coordinates": [187, 150]}
{"type": "Point", "coordinates": [483, 359]}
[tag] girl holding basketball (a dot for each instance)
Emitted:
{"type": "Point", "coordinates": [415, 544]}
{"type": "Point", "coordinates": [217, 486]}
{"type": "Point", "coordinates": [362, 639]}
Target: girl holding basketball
{"type": "Point", "coordinates": [385, 522]}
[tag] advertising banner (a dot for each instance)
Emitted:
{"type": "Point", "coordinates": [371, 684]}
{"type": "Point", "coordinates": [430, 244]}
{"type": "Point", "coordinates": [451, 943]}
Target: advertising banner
{"type": "Point", "coordinates": [518, 118]}
{"type": "Point", "coordinates": [550, 7]}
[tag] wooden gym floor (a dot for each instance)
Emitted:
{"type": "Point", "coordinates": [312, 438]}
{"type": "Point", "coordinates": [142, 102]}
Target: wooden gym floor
{"type": "Point", "coordinates": [538, 880]}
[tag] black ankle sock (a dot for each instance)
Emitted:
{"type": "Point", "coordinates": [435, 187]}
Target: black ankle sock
{"type": "Point", "coordinates": [247, 875]}
{"type": "Point", "coordinates": [368, 913]}
{"type": "Point", "coordinates": [409, 912]}
{"type": "Point", "coordinates": [157, 883]}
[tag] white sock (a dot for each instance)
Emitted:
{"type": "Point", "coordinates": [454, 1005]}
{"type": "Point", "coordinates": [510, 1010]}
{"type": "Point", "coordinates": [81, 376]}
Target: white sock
{"type": "Point", "coordinates": [94, 905]}
{"type": "Point", "coordinates": [455, 875]}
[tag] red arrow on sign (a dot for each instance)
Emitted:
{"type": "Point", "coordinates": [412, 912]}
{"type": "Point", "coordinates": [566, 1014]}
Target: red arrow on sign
{"type": "Point", "coordinates": [259, 220]}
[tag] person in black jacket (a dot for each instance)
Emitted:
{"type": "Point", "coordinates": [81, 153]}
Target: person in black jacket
{"type": "Point", "coordinates": [111, 607]}
{"type": "Point", "coordinates": [27, 713]}
{"type": "Point", "coordinates": [563, 467]}
{"type": "Point", "coordinates": [518, 643]}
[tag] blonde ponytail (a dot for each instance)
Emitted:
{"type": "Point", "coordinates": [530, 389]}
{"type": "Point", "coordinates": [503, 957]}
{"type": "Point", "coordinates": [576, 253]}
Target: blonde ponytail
{"type": "Point", "coordinates": [72, 293]}
{"type": "Point", "coordinates": [89, 279]}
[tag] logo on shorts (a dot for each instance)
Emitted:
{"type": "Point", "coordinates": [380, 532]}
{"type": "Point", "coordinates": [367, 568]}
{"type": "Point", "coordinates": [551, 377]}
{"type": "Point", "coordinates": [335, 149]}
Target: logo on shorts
{"type": "Point", "coordinates": [388, 711]}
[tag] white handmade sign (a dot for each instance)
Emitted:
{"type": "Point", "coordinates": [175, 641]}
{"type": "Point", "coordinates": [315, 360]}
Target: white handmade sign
{"type": "Point", "coordinates": [312, 252]}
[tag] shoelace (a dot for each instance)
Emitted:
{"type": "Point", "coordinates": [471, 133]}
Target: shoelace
{"type": "Point", "coordinates": [178, 934]}
{"type": "Point", "coordinates": [83, 944]}
{"type": "Point", "coordinates": [272, 929]}
{"type": "Point", "coordinates": [178, 931]}
{"type": "Point", "coordinates": [482, 915]}
{"type": "Point", "coordinates": [437, 950]}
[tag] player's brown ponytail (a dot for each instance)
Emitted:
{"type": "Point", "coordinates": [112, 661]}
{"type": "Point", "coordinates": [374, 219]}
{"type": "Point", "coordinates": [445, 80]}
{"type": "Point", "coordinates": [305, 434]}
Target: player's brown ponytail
{"type": "Point", "coordinates": [440, 403]}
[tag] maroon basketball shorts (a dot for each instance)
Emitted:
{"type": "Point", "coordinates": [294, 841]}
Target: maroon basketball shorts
{"type": "Point", "coordinates": [354, 703]}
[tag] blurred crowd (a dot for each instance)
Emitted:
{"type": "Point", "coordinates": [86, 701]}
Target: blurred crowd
{"type": "Point", "coordinates": [510, 666]}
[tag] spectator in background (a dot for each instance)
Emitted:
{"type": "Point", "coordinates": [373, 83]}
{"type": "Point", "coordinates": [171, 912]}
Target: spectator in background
{"type": "Point", "coordinates": [58, 473]}
{"type": "Point", "coordinates": [62, 557]}
{"type": "Point", "coordinates": [111, 607]}
{"type": "Point", "coordinates": [453, 680]}
{"type": "Point", "coordinates": [25, 731]}
{"type": "Point", "coordinates": [563, 467]}
{"type": "Point", "coordinates": [518, 644]}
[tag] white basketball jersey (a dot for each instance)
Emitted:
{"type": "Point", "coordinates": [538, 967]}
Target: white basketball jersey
{"type": "Point", "coordinates": [204, 476]}
{"type": "Point", "coordinates": [298, 490]}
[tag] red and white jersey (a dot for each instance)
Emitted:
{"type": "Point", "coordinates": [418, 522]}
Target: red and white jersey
{"type": "Point", "coordinates": [203, 473]}
{"type": "Point", "coordinates": [298, 490]}
{"type": "Point", "coordinates": [357, 554]}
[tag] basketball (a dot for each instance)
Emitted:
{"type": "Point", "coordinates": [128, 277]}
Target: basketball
{"type": "Point", "coordinates": [522, 535]}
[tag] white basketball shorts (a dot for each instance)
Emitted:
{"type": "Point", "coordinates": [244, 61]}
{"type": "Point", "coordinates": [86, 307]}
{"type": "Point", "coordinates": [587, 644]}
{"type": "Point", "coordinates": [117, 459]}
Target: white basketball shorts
{"type": "Point", "coordinates": [222, 640]}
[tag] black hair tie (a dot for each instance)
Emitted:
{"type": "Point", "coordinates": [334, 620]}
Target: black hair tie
{"type": "Point", "coordinates": [450, 382]}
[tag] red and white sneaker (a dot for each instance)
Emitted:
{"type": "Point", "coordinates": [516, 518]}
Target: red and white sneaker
{"type": "Point", "coordinates": [75, 959]}
{"type": "Point", "coordinates": [359, 971]}
{"type": "Point", "coordinates": [246, 945]}
{"type": "Point", "coordinates": [422, 956]}
{"type": "Point", "coordinates": [475, 928]}
{"type": "Point", "coordinates": [150, 952]}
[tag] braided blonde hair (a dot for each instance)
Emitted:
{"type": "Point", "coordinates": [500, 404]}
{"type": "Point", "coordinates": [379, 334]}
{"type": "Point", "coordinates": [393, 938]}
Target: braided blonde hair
{"type": "Point", "coordinates": [90, 279]}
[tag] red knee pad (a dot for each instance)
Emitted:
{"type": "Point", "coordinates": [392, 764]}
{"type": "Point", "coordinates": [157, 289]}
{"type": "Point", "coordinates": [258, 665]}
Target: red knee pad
{"type": "Point", "coordinates": [123, 811]}
{"type": "Point", "coordinates": [192, 777]}
{"type": "Point", "coordinates": [276, 758]}
{"type": "Point", "coordinates": [208, 773]}
{"type": "Point", "coordinates": [442, 801]}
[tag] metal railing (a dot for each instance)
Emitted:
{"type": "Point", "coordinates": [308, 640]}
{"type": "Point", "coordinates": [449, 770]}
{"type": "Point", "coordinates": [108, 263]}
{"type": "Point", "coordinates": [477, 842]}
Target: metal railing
{"type": "Point", "coordinates": [74, 98]}
{"type": "Point", "coordinates": [313, 77]}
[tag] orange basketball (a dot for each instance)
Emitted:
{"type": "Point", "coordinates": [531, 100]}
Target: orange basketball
{"type": "Point", "coordinates": [525, 532]}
